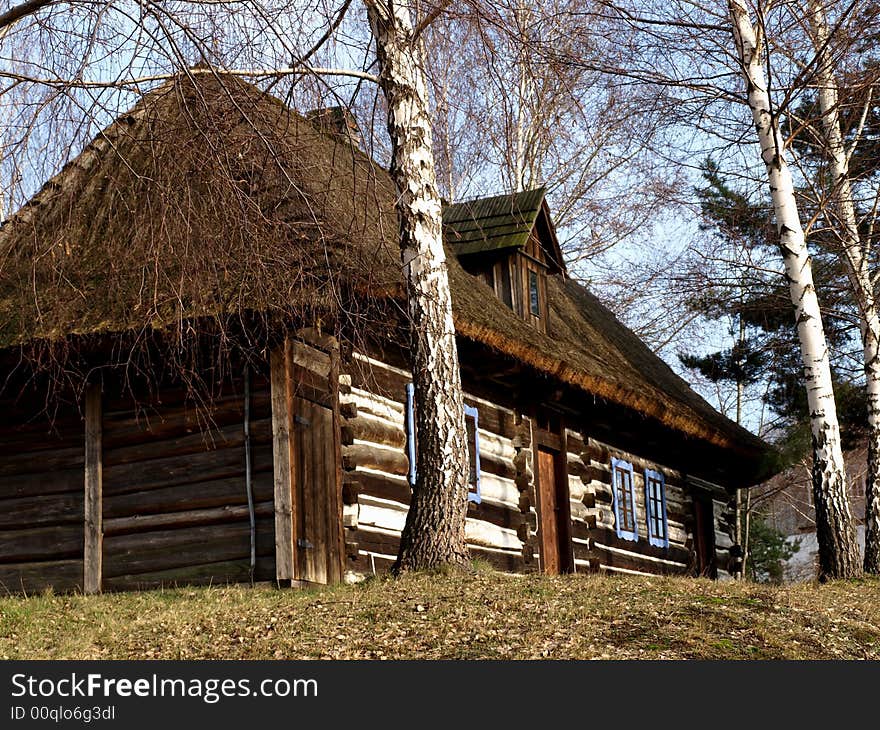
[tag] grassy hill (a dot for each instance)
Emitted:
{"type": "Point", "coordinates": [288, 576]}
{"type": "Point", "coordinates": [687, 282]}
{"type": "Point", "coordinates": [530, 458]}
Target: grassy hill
{"type": "Point", "coordinates": [478, 616]}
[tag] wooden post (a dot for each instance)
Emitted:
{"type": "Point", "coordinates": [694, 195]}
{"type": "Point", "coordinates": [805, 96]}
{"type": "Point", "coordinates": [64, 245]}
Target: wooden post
{"type": "Point", "coordinates": [281, 396]}
{"type": "Point", "coordinates": [337, 540]}
{"type": "Point", "coordinates": [93, 527]}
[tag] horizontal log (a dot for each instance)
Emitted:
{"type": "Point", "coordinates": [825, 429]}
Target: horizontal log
{"type": "Point", "coordinates": [30, 438]}
{"type": "Point", "coordinates": [486, 524]}
{"type": "Point", "coordinates": [577, 468]}
{"type": "Point", "coordinates": [377, 542]}
{"type": "Point", "coordinates": [499, 489]}
{"type": "Point", "coordinates": [502, 516]}
{"type": "Point", "coordinates": [132, 426]}
{"type": "Point", "coordinates": [636, 562]}
{"type": "Point", "coordinates": [377, 430]}
{"type": "Point", "coordinates": [54, 509]}
{"type": "Point", "coordinates": [146, 552]}
{"type": "Point", "coordinates": [180, 470]}
{"type": "Point", "coordinates": [383, 516]}
{"type": "Point", "coordinates": [609, 538]}
{"type": "Point", "coordinates": [575, 443]}
{"type": "Point", "coordinates": [197, 495]}
{"type": "Point", "coordinates": [375, 405]}
{"type": "Point", "coordinates": [171, 396]}
{"type": "Point", "coordinates": [390, 384]}
{"type": "Point", "coordinates": [59, 575]}
{"type": "Point", "coordinates": [372, 456]}
{"type": "Point", "coordinates": [186, 518]}
{"type": "Point", "coordinates": [42, 483]}
{"type": "Point", "coordinates": [494, 419]}
{"type": "Point", "coordinates": [40, 462]}
{"type": "Point", "coordinates": [377, 378]}
{"type": "Point", "coordinates": [228, 437]}
{"type": "Point", "coordinates": [595, 451]}
{"type": "Point", "coordinates": [230, 571]}
{"type": "Point", "coordinates": [41, 544]}
{"type": "Point", "coordinates": [486, 534]}
{"type": "Point", "coordinates": [384, 486]}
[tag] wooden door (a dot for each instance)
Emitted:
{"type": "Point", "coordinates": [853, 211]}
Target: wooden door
{"type": "Point", "coordinates": [704, 536]}
{"type": "Point", "coordinates": [549, 511]}
{"type": "Point", "coordinates": [555, 526]}
{"type": "Point", "coordinates": [316, 529]}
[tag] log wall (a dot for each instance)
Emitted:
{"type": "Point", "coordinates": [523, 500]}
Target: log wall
{"type": "Point", "coordinates": [502, 530]}
{"type": "Point", "coordinates": [41, 499]}
{"type": "Point", "coordinates": [597, 546]}
{"type": "Point", "coordinates": [376, 493]}
{"type": "Point", "coordinates": [175, 505]}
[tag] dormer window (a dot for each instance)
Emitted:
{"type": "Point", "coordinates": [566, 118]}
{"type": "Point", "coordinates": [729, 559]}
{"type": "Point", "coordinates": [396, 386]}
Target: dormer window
{"type": "Point", "coordinates": [509, 242]}
{"type": "Point", "coordinates": [534, 298]}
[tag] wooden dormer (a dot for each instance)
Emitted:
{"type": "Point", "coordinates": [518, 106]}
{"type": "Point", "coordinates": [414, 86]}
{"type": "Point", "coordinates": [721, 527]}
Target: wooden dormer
{"type": "Point", "coordinates": [510, 243]}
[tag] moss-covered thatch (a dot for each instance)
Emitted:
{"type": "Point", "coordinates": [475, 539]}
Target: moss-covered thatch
{"type": "Point", "coordinates": [208, 198]}
{"type": "Point", "coordinates": [212, 199]}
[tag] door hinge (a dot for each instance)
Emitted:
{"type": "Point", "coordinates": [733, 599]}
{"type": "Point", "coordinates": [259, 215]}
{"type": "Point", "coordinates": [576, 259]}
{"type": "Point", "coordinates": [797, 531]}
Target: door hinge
{"type": "Point", "coordinates": [299, 420]}
{"type": "Point", "coordinates": [305, 544]}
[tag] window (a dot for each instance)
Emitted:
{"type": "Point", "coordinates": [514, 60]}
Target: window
{"type": "Point", "coordinates": [655, 501]}
{"type": "Point", "coordinates": [410, 418]}
{"type": "Point", "coordinates": [471, 420]}
{"type": "Point", "coordinates": [534, 299]}
{"type": "Point", "coordinates": [504, 290]}
{"type": "Point", "coordinates": [624, 500]}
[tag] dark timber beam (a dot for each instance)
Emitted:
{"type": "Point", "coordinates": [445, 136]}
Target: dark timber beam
{"type": "Point", "coordinates": [282, 452]}
{"type": "Point", "coordinates": [93, 527]}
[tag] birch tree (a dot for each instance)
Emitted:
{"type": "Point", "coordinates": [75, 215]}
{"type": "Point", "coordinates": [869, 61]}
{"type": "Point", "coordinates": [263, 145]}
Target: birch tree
{"type": "Point", "coordinates": [838, 549]}
{"type": "Point", "coordinates": [854, 251]}
{"type": "Point", "coordinates": [434, 531]}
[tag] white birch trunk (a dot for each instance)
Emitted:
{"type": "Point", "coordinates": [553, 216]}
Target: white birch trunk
{"type": "Point", "coordinates": [434, 533]}
{"type": "Point", "coordinates": [838, 549]}
{"type": "Point", "coordinates": [855, 254]}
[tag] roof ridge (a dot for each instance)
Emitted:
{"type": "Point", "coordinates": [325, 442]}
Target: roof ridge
{"type": "Point", "coordinates": [481, 198]}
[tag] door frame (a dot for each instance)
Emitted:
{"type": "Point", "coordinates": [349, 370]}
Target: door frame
{"type": "Point", "coordinates": [704, 534]}
{"type": "Point", "coordinates": [553, 440]}
{"type": "Point", "coordinates": [291, 383]}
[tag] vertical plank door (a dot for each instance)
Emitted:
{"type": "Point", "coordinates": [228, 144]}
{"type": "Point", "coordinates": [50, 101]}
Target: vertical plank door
{"type": "Point", "coordinates": [549, 508]}
{"type": "Point", "coordinates": [704, 536]}
{"type": "Point", "coordinates": [318, 559]}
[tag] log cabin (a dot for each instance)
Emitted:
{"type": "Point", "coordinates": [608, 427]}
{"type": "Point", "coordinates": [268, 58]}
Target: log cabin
{"type": "Point", "coordinates": [204, 373]}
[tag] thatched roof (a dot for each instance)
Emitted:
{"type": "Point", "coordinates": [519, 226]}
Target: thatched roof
{"type": "Point", "coordinates": [208, 198]}
{"type": "Point", "coordinates": [211, 198]}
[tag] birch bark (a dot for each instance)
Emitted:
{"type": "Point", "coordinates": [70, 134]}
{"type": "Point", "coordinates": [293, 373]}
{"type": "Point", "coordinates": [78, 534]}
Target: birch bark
{"type": "Point", "coordinates": [838, 549]}
{"type": "Point", "coordinates": [855, 254]}
{"type": "Point", "coordinates": [434, 532]}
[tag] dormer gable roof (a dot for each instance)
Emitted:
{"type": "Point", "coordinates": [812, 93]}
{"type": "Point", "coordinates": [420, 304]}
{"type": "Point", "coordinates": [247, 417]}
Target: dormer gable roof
{"type": "Point", "coordinates": [502, 222]}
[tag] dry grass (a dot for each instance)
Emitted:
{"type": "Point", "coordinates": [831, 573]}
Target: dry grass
{"type": "Point", "coordinates": [482, 616]}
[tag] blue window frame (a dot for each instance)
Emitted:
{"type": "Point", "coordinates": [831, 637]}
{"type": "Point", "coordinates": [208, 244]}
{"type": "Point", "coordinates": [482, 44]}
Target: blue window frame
{"type": "Point", "coordinates": [472, 428]}
{"type": "Point", "coordinates": [655, 503]}
{"type": "Point", "coordinates": [409, 417]}
{"type": "Point", "coordinates": [471, 419]}
{"type": "Point", "coordinates": [623, 486]}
